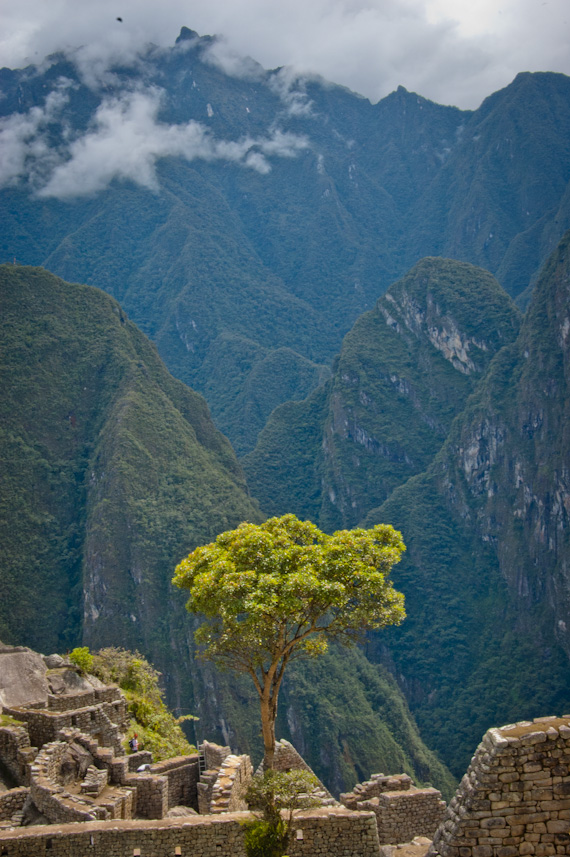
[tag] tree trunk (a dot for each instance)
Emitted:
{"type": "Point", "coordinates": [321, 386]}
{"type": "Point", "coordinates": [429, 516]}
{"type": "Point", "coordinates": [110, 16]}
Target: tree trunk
{"type": "Point", "coordinates": [268, 731]}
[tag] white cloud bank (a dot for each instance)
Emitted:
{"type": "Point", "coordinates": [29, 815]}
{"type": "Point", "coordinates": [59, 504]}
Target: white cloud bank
{"type": "Point", "coordinates": [451, 51]}
{"type": "Point", "coordinates": [125, 141]}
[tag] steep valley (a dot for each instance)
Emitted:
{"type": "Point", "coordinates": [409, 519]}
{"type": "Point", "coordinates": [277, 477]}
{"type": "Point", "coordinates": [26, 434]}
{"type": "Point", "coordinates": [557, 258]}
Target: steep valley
{"type": "Point", "coordinates": [112, 472]}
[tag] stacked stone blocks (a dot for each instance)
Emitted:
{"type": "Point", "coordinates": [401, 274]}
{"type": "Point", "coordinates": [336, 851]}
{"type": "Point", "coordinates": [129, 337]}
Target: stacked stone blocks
{"type": "Point", "coordinates": [515, 797]}
{"type": "Point", "coordinates": [402, 811]}
{"type": "Point", "coordinates": [16, 752]}
{"type": "Point", "coordinates": [231, 783]}
{"type": "Point", "coordinates": [330, 832]}
{"type": "Point", "coordinates": [12, 802]}
{"type": "Point", "coordinates": [105, 719]}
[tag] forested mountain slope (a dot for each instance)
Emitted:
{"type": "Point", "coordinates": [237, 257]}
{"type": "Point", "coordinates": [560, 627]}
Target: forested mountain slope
{"type": "Point", "coordinates": [404, 372]}
{"type": "Point", "coordinates": [486, 574]}
{"type": "Point", "coordinates": [112, 471]}
{"type": "Point", "coordinates": [246, 218]}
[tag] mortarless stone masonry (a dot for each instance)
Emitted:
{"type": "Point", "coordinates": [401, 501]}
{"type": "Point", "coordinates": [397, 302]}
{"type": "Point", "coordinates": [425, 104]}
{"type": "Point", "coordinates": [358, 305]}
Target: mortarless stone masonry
{"type": "Point", "coordinates": [515, 797]}
{"type": "Point", "coordinates": [402, 810]}
{"type": "Point", "coordinates": [329, 832]}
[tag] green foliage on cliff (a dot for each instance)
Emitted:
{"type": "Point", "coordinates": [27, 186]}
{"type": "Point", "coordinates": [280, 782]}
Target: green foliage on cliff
{"type": "Point", "coordinates": [404, 372]}
{"type": "Point", "coordinates": [112, 472]}
{"type": "Point", "coordinates": [485, 577]}
{"type": "Point", "coordinates": [156, 727]}
{"type": "Point", "coordinates": [349, 719]}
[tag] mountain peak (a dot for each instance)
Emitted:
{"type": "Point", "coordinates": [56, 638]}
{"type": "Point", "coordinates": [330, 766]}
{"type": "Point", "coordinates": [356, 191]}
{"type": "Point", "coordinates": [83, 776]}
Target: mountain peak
{"type": "Point", "coordinates": [186, 34]}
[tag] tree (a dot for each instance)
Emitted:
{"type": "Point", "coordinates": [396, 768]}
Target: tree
{"type": "Point", "coordinates": [273, 797]}
{"type": "Point", "coordinates": [280, 590]}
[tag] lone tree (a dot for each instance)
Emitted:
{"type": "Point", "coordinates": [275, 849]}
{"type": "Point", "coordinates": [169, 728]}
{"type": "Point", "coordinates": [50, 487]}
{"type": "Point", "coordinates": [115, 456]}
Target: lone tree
{"type": "Point", "coordinates": [280, 590]}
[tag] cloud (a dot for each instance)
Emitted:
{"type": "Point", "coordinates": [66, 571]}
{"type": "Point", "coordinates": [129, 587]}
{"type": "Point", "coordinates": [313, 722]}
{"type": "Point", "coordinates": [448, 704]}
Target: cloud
{"type": "Point", "coordinates": [289, 85]}
{"type": "Point", "coordinates": [220, 54]}
{"type": "Point", "coordinates": [127, 139]}
{"type": "Point", "coordinates": [24, 145]}
{"type": "Point", "coordinates": [452, 52]}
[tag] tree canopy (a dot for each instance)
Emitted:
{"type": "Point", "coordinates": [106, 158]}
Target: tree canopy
{"type": "Point", "coordinates": [280, 590]}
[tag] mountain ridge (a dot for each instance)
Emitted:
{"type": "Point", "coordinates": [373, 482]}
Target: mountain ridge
{"type": "Point", "coordinates": [289, 208]}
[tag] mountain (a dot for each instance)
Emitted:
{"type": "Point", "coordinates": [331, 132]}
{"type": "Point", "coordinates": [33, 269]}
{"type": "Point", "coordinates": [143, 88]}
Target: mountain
{"type": "Point", "coordinates": [501, 200]}
{"type": "Point", "coordinates": [405, 370]}
{"type": "Point", "coordinates": [245, 218]}
{"type": "Point", "coordinates": [112, 469]}
{"type": "Point", "coordinates": [486, 573]}
{"type": "Point", "coordinates": [112, 472]}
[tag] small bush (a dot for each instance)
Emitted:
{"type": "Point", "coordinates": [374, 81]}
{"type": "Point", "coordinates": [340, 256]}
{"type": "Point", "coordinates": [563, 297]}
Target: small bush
{"type": "Point", "coordinates": [264, 838]}
{"type": "Point", "coordinates": [82, 658]}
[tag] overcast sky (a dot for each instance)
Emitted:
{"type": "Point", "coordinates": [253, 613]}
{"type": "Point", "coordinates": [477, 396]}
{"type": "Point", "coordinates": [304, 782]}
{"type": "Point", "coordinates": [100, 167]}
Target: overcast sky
{"type": "Point", "coordinates": [452, 51]}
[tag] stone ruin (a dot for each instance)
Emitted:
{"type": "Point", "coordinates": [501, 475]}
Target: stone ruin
{"type": "Point", "coordinates": [62, 762]}
{"type": "Point", "coordinates": [403, 812]}
{"type": "Point", "coordinates": [515, 797]}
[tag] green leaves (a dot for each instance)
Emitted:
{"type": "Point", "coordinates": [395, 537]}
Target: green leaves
{"type": "Point", "coordinates": [286, 576]}
{"type": "Point", "coordinates": [280, 590]}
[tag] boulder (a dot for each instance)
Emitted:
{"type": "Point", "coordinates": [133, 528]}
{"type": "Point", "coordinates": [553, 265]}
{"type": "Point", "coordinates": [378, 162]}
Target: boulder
{"type": "Point", "coordinates": [53, 662]}
{"type": "Point", "coordinates": [22, 677]}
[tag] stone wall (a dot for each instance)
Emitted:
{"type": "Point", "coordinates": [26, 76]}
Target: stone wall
{"type": "Point", "coordinates": [403, 815]}
{"type": "Point", "coordinates": [103, 721]}
{"type": "Point", "coordinates": [229, 788]}
{"type": "Point", "coordinates": [402, 810]}
{"type": "Point", "coordinates": [71, 701]}
{"type": "Point", "coordinates": [182, 773]}
{"type": "Point", "coordinates": [12, 802]}
{"type": "Point", "coordinates": [16, 754]}
{"type": "Point", "coordinates": [375, 786]}
{"type": "Point", "coordinates": [151, 794]}
{"type": "Point", "coordinates": [288, 759]}
{"type": "Point", "coordinates": [61, 804]}
{"type": "Point", "coordinates": [214, 755]}
{"type": "Point", "coordinates": [515, 797]}
{"type": "Point", "coordinates": [331, 832]}
{"type": "Point", "coordinates": [52, 800]}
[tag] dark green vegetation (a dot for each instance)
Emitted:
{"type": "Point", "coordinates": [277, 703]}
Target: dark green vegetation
{"type": "Point", "coordinates": [112, 471]}
{"type": "Point", "coordinates": [248, 281]}
{"type": "Point", "coordinates": [485, 518]}
{"type": "Point", "coordinates": [404, 372]}
{"type": "Point", "coordinates": [486, 573]}
{"type": "Point", "coordinates": [346, 716]}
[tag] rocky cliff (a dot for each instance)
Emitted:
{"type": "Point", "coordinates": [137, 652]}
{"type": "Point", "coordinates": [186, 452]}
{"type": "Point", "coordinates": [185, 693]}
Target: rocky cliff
{"type": "Point", "coordinates": [487, 531]}
{"type": "Point", "coordinates": [404, 372]}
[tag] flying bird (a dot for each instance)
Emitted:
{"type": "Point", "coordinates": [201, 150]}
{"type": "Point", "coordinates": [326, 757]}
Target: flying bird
{"type": "Point", "coordinates": [120, 19]}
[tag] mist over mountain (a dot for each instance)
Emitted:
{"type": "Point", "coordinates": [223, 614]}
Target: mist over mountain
{"type": "Point", "coordinates": [235, 212]}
